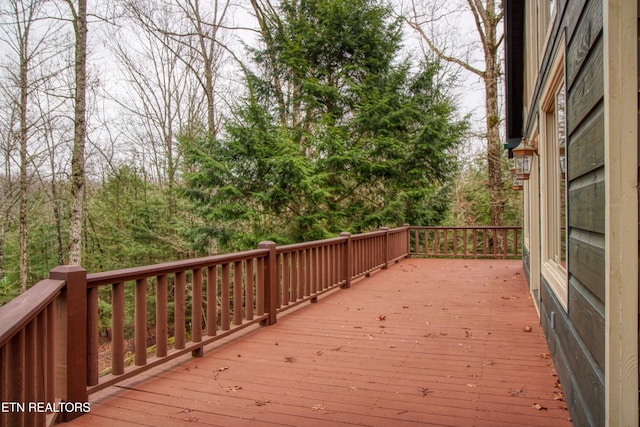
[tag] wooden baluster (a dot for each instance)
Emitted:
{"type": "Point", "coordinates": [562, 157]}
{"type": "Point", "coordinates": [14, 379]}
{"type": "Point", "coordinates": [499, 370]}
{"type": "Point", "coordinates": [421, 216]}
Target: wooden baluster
{"type": "Point", "coordinates": [4, 368]}
{"type": "Point", "coordinates": [300, 273]}
{"type": "Point", "coordinates": [161, 316]}
{"type": "Point", "coordinates": [286, 281]}
{"type": "Point", "coordinates": [505, 243]}
{"type": "Point", "coordinates": [117, 328]}
{"type": "Point", "coordinates": [309, 285]}
{"type": "Point", "coordinates": [475, 242]}
{"type": "Point", "coordinates": [212, 301]}
{"type": "Point", "coordinates": [260, 286]}
{"type": "Point", "coordinates": [237, 293]}
{"type": "Point", "coordinates": [196, 311]}
{"type": "Point", "coordinates": [484, 240]}
{"type": "Point", "coordinates": [313, 270]}
{"type": "Point", "coordinates": [465, 241]}
{"type": "Point", "coordinates": [225, 320]}
{"type": "Point", "coordinates": [30, 363]}
{"type": "Point", "coordinates": [42, 356]}
{"type": "Point", "coordinates": [93, 339]}
{"type": "Point", "coordinates": [50, 335]}
{"type": "Point", "coordinates": [179, 310]}
{"type": "Point", "coordinates": [141, 322]}
{"type": "Point", "coordinates": [294, 276]}
{"type": "Point", "coordinates": [249, 289]}
{"type": "Point", "coordinates": [455, 242]}
{"type": "Point", "coordinates": [15, 349]}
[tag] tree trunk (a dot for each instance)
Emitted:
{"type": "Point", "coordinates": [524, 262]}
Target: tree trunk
{"type": "Point", "coordinates": [494, 145]}
{"type": "Point", "coordinates": [24, 183]}
{"type": "Point", "coordinates": [80, 129]}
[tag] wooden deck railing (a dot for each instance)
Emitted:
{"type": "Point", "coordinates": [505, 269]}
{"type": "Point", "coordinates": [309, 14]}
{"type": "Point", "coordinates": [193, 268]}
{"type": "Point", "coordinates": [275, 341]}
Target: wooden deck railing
{"type": "Point", "coordinates": [49, 336]}
{"type": "Point", "coordinates": [466, 242]}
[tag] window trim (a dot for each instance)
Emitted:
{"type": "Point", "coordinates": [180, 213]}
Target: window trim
{"type": "Point", "coordinates": [552, 271]}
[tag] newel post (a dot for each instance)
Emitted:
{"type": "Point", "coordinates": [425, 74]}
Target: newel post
{"type": "Point", "coordinates": [270, 284]}
{"type": "Point", "coordinates": [348, 259]}
{"type": "Point", "coordinates": [385, 247]}
{"type": "Point", "coordinates": [71, 338]}
{"type": "Point", "coordinates": [408, 237]}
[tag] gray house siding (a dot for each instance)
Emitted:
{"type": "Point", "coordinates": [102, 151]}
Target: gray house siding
{"type": "Point", "coordinates": [576, 336]}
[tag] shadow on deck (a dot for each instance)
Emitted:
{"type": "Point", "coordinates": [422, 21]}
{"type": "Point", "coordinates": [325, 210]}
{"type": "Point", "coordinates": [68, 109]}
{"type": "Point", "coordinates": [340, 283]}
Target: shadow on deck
{"type": "Point", "coordinates": [427, 342]}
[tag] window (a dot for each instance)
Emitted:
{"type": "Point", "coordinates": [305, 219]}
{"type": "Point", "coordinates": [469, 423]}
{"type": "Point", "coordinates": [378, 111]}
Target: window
{"type": "Point", "coordinates": [546, 17]}
{"type": "Point", "coordinates": [553, 148]}
{"type": "Point", "coordinates": [556, 173]}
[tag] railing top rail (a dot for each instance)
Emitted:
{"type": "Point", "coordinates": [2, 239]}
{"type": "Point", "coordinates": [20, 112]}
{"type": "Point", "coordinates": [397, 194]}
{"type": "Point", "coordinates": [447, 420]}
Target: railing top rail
{"type": "Point", "coordinates": [398, 229]}
{"type": "Point", "coordinates": [466, 227]}
{"type": "Point", "coordinates": [307, 245]}
{"type": "Point", "coordinates": [134, 273]}
{"type": "Point", "coordinates": [369, 234]}
{"type": "Point", "coordinates": [25, 307]}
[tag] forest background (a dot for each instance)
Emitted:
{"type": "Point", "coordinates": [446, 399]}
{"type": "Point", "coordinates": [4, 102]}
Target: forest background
{"type": "Point", "coordinates": [211, 126]}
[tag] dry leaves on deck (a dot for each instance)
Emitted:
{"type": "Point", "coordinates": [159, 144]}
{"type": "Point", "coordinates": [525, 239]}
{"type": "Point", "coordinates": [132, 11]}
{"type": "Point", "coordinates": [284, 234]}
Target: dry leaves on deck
{"type": "Point", "coordinates": [538, 407]}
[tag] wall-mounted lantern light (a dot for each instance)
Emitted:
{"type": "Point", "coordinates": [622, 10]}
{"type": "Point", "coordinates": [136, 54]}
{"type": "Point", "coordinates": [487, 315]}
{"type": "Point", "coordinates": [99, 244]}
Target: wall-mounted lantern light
{"type": "Point", "coordinates": [518, 184]}
{"type": "Point", "coordinates": [523, 157]}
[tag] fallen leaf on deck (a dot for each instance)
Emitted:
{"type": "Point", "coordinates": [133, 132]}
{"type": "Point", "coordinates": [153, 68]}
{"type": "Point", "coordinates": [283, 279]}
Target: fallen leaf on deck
{"type": "Point", "coordinates": [517, 392]}
{"type": "Point", "coordinates": [262, 402]}
{"type": "Point", "coordinates": [382, 318]}
{"type": "Point", "coordinates": [545, 356]}
{"type": "Point", "coordinates": [539, 407]}
{"type": "Point", "coordinates": [232, 388]}
{"type": "Point", "coordinates": [289, 359]}
{"type": "Point", "coordinates": [558, 396]}
{"type": "Point", "coordinates": [318, 353]}
{"type": "Point", "coordinates": [425, 391]}
{"type": "Point", "coordinates": [317, 407]}
{"type": "Point", "coordinates": [527, 329]}
{"type": "Point", "coordinates": [468, 334]}
{"type": "Point", "coordinates": [471, 385]}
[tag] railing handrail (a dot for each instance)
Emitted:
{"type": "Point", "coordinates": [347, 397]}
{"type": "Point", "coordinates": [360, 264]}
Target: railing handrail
{"type": "Point", "coordinates": [21, 310]}
{"type": "Point", "coordinates": [307, 245]}
{"type": "Point", "coordinates": [466, 227]}
{"type": "Point", "coordinates": [134, 273]}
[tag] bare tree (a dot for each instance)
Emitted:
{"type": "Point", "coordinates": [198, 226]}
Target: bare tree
{"type": "Point", "coordinates": [163, 99]}
{"type": "Point", "coordinates": [79, 18]}
{"type": "Point", "coordinates": [435, 21]}
{"type": "Point", "coordinates": [9, 195]}
{"type": "Point", "coordinates": [196, 30]}
{"type": "Point", "coordinates": [27, 49]}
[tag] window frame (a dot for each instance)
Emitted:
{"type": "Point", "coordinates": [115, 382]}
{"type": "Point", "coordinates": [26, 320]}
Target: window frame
{"type": "Point", "coordinates": [554, 267]}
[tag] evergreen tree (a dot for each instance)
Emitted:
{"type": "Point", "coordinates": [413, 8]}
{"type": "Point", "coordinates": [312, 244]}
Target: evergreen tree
{"type": "Point", "coordinates": [337, 133]}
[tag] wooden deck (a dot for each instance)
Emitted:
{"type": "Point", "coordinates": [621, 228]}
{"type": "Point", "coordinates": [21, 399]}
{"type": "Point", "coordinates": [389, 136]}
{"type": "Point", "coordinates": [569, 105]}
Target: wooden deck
{"type": "Point", "coordinates": [426, 342]}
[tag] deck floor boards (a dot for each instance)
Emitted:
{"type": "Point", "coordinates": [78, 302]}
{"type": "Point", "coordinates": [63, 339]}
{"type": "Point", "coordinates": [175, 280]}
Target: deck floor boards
{"type": "Point", "coordinates": [427, 342]}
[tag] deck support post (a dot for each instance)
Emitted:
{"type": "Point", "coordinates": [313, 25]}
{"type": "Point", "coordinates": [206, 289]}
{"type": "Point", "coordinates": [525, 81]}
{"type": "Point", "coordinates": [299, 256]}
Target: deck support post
{"type": "Point", "coordinates": [347, 260]}
{"type": "Point", "coordinates": [270, 281]}
{"type": "Point", "coordinates": [71, 338]}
